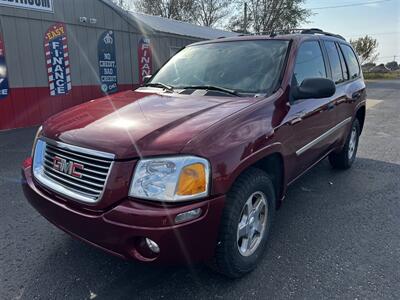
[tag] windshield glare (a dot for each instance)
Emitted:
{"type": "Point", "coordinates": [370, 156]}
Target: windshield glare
{"type": "Point", "coordinates": [243, 66]}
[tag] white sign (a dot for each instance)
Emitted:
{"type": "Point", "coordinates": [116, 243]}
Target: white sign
{"type": "Point", "coordinates": [42, 5]}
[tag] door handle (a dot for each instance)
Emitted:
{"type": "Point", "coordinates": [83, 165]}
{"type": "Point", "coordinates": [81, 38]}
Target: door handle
{"type": "Point", "coordinates": [331, 105]}
{"type": "Point", "coordinates": [356, 96]}
{"type": "Point", "coordinates": [297, 118]}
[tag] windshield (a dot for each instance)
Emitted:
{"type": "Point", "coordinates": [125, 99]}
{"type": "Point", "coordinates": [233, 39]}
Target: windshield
{"type": "Point", "coordinates": [242, 66]}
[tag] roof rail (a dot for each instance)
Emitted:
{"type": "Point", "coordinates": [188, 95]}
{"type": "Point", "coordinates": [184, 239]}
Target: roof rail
{"type": "Point", "coordinates": [299, 31]}
{"type": "Point", "coordinates": [319, 31]}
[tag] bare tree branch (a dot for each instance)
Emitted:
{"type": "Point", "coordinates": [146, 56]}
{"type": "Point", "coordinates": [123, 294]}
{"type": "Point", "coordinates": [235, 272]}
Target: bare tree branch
{"type": "Point", "coordinates": [263, 15]}
{"type": "Point", "coordinates": [366, 48]}
{"type": "Point", "coordinates": [270, 15]}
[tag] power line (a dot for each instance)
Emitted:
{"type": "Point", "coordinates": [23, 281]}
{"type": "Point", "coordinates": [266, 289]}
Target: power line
{"type": "Point", "coordinates": [329, 7]}
{"type": "Point", "coordinates": [376, 33]}
{"type": "Point", "coordinates": [389, 56]}
{"type": "Point", "coordinates": [349, 5]}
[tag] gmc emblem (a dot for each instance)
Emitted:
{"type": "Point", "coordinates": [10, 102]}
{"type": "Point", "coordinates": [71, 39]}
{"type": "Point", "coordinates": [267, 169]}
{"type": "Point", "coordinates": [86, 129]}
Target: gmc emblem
{"type": "Point", "coordinates": [67, 167]}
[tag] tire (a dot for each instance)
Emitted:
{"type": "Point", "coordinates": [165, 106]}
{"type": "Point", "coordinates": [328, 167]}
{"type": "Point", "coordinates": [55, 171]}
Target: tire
{"type": "Point", "coordinates": [231, 257]}
{"type": "Point", "coordinates": [346, 157]}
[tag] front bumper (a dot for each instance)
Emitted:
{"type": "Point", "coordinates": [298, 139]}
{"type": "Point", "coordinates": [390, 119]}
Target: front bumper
{"type": "Point", "coordinates": [121, 229]}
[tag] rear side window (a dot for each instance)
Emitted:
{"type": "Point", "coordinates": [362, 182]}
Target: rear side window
{"type": "Point", "coordinates": [351, 60]}
{"type": "Point", "coordinates": [344, 67]}
{"type": "Point", "coordinates": [334, 59]}
{"type": "Point", "coordinates": [309, 63]}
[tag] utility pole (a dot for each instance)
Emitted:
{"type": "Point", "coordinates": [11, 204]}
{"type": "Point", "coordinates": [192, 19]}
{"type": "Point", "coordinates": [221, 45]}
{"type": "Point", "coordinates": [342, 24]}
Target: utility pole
{"type": "Point", "coordinates": [245, 19]}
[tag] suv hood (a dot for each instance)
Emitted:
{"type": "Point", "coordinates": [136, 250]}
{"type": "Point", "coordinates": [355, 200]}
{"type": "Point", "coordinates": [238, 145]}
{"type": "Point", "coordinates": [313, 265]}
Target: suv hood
{"type": "Point", "coordinates": [135, 123]}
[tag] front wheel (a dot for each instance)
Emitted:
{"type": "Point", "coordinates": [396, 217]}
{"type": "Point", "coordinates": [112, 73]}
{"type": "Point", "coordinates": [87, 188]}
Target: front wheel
{"type": "Point", "coordinates": [345, 158]}
{"type": "Point", "coordinates": [245, 225]}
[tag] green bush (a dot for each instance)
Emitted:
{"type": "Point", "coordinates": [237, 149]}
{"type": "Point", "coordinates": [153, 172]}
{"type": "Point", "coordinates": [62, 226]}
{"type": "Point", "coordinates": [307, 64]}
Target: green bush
{"type": "Point", "coordinates": [391, 75]}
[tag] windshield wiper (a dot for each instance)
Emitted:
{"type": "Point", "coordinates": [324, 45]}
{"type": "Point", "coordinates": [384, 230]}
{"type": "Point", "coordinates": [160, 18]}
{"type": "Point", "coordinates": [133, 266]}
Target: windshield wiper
{"type": "Point", "coordinates": [212, 88]}
{"type": "Point", "coordinates": [160, 85]}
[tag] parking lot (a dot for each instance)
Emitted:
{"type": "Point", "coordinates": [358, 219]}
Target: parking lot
{"type": "Point", "coordinates": [337, 234]}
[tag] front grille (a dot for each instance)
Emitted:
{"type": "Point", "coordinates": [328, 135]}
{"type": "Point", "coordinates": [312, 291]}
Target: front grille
{"type": "Point", "coordinates": [93, 173]}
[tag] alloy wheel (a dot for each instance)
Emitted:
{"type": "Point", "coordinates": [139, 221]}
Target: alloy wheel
{"type": "Point", "coordinates": [252, 223]}
{"type": "Point", "coordinates": [352, 142]}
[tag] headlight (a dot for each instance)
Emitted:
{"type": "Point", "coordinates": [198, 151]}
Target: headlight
{"type": "Point", "coordinates": [171, 179]}
{"type": "Point", "coordinates": [38, 133]}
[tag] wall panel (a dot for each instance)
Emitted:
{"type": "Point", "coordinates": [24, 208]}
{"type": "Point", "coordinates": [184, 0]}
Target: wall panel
{"type": "Point", "coordinates": [29, 102]}
{"type": "Point", "coordinates": [11, 46]}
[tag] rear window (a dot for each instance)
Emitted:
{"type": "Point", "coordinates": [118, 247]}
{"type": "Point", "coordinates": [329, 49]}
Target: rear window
{"type": "Point", "coordinates": [334, 59]}
{"type": "Point", "coordinates": [351, 60]}
{"type": "Point", "coordinates": [344, 67]}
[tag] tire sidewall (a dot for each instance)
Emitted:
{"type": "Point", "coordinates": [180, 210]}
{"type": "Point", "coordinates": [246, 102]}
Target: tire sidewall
{"type": "Point", "coordinates": [356, 125]}
{"type": "Point", "coordinates": [247, 263]}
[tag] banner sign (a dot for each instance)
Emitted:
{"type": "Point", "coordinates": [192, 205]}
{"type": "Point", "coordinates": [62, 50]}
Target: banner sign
{"type": "Point", "coordinates": [107, 63]}
{"type": "Point", "coordinates": [145, 58]}
{"type": "Point", "coordinates": [41, 5]}
{"type": "Point", "coordinates": [4, 88]}
{"type": "Point", "coordinates": [57, 60]}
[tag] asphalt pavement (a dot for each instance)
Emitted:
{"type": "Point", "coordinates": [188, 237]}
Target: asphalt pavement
{"type": "Point", "coordinates": [337, 234]}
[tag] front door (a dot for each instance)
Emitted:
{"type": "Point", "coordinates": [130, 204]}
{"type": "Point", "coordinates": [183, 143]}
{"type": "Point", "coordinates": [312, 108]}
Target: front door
{"type": "Point", "coordinates": [309, 120]}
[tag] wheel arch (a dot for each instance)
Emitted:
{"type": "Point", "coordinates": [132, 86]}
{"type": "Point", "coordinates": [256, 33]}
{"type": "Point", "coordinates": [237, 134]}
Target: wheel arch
{"type": "Point", "coordinates": [360, 116]}
{"type": "Point", "coordinates": [271, 161]}
{"type": "Point", "coordinates": [273, 165]}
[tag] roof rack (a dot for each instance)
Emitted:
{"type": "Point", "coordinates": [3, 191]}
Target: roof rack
{"type": "Point", "coordinates": [299, 31]}
{"type": "Point", "coordinates": [319, 31]}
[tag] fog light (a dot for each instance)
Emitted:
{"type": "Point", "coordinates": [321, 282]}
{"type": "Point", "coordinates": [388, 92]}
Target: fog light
{"type": "Point", "coordinates": [187, 216]}
{"type": "Point", "coordinates": [152, 246]}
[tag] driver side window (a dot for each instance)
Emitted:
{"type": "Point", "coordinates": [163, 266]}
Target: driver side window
{"type": "Point", "coordinates": [309, 63]}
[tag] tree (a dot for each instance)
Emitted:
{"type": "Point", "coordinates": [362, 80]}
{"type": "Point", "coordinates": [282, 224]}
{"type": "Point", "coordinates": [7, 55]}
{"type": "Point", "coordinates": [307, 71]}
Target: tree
{"type": "Point", "coordinates": [210, 12]}
{"type": "Point", "coordinates": [268, 16]}
{"type": "Point", "coordinates": [393, 65]}
{"type": "Point", "coordinates": [125, 4]}
{"type": "Point", "coordinates": [181, 10]}
{"type": "Point", "coordinates": [202, 12]}
{"type": "Point", "coordinates": [366, 48]}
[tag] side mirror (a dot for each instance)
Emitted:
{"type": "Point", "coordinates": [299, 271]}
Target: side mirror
{"type": "Point", "coordinates": [146, 79]}
{"type": "Point", "coordinates": [314, 88]}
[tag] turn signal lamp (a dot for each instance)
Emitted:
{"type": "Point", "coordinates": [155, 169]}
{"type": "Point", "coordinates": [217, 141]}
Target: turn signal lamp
{"type": "Point", "coordinates": [192, 180]}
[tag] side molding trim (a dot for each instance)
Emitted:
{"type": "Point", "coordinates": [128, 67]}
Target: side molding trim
{"type": "Point", "coordinates": [323, 136]}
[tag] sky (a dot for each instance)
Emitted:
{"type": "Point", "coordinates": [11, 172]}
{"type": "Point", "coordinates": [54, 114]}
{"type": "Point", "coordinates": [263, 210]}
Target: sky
{"type": "Point", "coordinates": [378, 18]}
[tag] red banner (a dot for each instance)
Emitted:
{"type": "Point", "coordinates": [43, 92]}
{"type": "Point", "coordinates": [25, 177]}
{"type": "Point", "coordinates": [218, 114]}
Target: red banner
{"type": "Point", "coordinates": [145, 58]}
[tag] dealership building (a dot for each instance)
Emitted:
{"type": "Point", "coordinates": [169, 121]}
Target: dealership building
{"type": "Point", "coordinates": [55, 54]}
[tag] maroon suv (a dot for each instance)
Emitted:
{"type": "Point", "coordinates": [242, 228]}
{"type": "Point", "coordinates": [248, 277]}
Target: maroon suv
{"type": "Point", "coordinates": [191, 166]}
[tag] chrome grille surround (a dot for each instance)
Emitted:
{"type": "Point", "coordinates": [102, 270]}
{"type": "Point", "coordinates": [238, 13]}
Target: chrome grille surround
{"type": "Point", "coordinates": [89, 188]}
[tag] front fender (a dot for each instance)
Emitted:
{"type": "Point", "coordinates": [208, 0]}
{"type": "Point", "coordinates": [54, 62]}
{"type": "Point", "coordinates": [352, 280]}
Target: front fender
{"type": "Point", "coordinates": [247, 162]}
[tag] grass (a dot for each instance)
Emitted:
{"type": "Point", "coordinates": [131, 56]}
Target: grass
{"type": "Point", "coordinates": [372, 75]}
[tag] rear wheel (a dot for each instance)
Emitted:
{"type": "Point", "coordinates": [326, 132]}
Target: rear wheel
{"type": "Point", "coordinates": [245, 225]}
{"type": "Point", "coordinates": [345, 158]}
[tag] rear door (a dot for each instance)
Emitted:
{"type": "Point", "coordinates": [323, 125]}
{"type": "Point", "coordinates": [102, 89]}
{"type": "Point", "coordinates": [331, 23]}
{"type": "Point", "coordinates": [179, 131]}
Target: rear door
{"type": "Point", "coordinates": [350, 87]}
{"type": "Point", "coordinates": [340, 76]}
{"type": "Point", "coordinates": [309, 119]}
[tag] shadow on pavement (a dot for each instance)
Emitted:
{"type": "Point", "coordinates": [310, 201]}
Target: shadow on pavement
{"type": "Point", "coordinates": [330, 237]}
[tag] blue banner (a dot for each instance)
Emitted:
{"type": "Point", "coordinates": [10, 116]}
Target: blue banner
{"type": "Point", "coordinates": [4, 88]}
{"type": "Point", "coordinates": [107, 63]}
